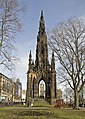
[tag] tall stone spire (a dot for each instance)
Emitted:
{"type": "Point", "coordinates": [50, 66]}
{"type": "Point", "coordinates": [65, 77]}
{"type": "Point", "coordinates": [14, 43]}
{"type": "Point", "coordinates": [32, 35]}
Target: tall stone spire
{"type": "Point", "coordinates": [41, 73]}
{"type": "Point", "coordinates": [41, 49]}
{"type": "Point", "coordinates": [42, 23]}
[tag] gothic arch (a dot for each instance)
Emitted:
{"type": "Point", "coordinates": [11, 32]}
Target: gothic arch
{"type": "Point", "coordinates": [42, 88]}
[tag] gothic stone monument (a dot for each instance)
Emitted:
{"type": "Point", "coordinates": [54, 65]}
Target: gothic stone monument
{"type": "Point", "coordinates": [41, 76]}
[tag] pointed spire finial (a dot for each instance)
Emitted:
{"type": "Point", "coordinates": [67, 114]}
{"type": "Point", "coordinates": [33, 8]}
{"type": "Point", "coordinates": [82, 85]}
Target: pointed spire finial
{"type": "Point", "coordinates": [53, 61]}
{"type": "Point", "coordinates": [42, 23]}
{"type": "Point", "coordinates": [30, 59]}
{"type": "Point", "coordinates": [30, 51]}
{"type": "Point", "coordinates": [41, 12]}
{"type": "Point", "coordinates": [30, 54]}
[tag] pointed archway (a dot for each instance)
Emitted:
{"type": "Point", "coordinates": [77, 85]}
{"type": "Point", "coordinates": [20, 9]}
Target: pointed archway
{"type": "Point", "coordinates": [42, 89]}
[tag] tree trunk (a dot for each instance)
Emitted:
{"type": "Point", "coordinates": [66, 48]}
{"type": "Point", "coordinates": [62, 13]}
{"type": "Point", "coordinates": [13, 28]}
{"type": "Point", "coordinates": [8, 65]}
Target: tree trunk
{"type": "Point", "coordinates": [76, 100]}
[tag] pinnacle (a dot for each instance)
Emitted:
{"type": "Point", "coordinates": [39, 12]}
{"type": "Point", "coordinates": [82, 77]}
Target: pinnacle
{"type": "Point", "coordinates": [42, 13]}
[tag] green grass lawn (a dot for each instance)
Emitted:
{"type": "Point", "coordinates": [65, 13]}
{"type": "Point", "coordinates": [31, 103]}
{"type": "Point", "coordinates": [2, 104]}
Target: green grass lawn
{"type": "Point", "coordinates": [51, 113]}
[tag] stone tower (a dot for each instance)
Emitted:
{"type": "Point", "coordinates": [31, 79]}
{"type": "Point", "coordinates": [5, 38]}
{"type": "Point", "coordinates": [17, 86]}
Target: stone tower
{"type": "Point", "coordinates": [41, 76]}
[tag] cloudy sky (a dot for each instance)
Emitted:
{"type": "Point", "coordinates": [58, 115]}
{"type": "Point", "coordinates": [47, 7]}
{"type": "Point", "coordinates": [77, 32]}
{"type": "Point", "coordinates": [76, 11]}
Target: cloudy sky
{"type": "Point", "coordinates": [55, 11]}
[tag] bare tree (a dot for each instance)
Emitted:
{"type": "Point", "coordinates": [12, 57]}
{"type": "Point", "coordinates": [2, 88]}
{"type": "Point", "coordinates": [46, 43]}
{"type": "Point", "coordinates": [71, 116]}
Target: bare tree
{"type": "Point", "coordinates": [68, 42]}
{"type": "Point", "coordinates": [10, 24]}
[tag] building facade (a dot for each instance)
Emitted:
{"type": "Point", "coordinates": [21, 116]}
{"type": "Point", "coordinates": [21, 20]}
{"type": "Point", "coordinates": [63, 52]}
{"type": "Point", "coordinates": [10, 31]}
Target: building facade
{"type": "Point", "coordinates": [6, 88]}
{"type": "Point", "coordinates": [9, 90]}
{"type": "Point", "coordinates": [41, 76]}
{"type": "Point", "coordinates": [23, 96]}
{"type": "Point", "coordinates": [18, 91]}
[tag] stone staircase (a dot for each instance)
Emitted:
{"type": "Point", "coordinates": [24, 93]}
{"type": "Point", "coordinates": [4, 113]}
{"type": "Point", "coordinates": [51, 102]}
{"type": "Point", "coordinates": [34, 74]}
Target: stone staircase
{"type": "Point", "coordinates": [40, 102]}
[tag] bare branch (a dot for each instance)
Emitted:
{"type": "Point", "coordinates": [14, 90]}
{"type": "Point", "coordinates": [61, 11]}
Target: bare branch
{"type": "Point", "coordinates": [68, 42]}
{"type": "Point", "coordinates": [10, 24]}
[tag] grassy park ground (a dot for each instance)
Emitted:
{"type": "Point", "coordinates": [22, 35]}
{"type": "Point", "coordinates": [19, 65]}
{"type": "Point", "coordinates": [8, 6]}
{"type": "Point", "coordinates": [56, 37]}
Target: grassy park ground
{"type": "Point", "coordinates": [40, 113]}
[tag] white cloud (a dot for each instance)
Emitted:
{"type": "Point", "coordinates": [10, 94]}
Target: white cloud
{"type": "Point", "coordinates": [83, 18]}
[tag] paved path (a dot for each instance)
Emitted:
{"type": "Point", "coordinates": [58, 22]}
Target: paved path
{"type": "Point", "coordinates": [30, 108]}
{"type": "Point", "coordinates": [82, 108]}
{"type": "Point", "coordinates": [39, 108]}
